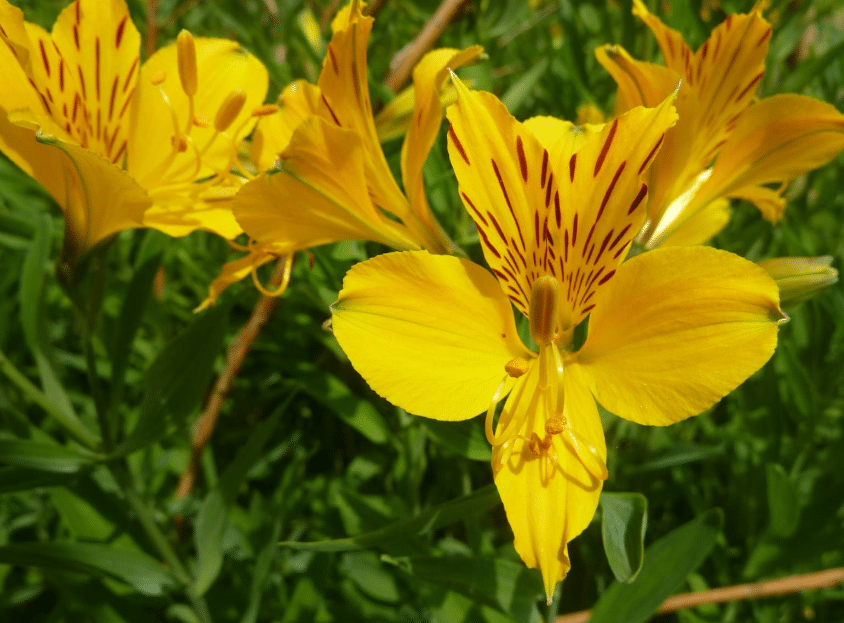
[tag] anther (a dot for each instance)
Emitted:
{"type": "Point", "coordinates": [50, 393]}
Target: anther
{"type": "Point", "coordinates": [535, 445]}
{"type": "Point", "coordinates": [265, 110]}
{"type": "Point", "coordinates": [186, 60]}
{"type": "Point", "coordinates": [201, 121]}
{"type": "Point", "coordinates": [179, 142]}
{"type": "Point", "coordinates": [516, 367]}
{"type": "Point", "coordinates": [544, 301]}
{"type": "Point", "coordinates": [555, 425]}
{"type": "Point", "coordinates": [158, 77]}
{"type": "Point", "coordinates": [229, 110]}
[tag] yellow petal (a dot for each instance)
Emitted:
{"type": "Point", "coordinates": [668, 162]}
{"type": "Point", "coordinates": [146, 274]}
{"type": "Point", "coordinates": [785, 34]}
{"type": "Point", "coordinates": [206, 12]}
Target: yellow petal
{"type": "Point", "coordinates": [101, 199]}
{"type": "Point", "coordinates": [571, 217]}
{"type": "Point", "coordinates": [701, 227]}
{"type": "Point", "coordinates": [298, 101]}
{"type": "Point", "coordinates": [343, 83]}
{"type": "Point", "coordinates": [232, 272]}
{"type": "Point", "coordinates": [676, 330]}
{"type": "Point", "coordinates": [550, 495]}
{"type": "Point", "coordinates": [208, 211]}
{"type": "Point", "coordinates": [428, 77]}
{"type": "Point", "coordinates": [222, 66]}
{"type": "Point", "coordinates": [775, 140]}
{"type": "Point", "coordinates": [430, 333]}
{"type": "Point", "coordinates": [318, 196]}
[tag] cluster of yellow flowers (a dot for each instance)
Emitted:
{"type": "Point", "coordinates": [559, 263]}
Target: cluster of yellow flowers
{"type": "Point", "coordinates": [599, 221]}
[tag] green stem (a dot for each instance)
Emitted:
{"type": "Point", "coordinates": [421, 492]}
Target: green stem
{"type": "Point", "coordinates": [159, 542]}
{"type": "Point", "coordinates": [68, 421]}
{"type": "Point", "coordinates": [100, 404]}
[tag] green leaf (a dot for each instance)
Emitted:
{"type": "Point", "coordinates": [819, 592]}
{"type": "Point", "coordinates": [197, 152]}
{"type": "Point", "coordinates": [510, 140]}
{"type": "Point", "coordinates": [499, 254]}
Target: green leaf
{"type": "Point", "coordinates": [358, 413]}
{"type": "Point", "coordinates": [177, 379]}
{"type": "Point", "coordinates": [524, 86]}
{"type": "Point", "coordinates": [502, 584]}
{"type": "Point", "coordinates": [129, 320]}
{"type": "Point", "coordinates": [798, 78]}
{"type": "Point", "coordinates": [213, 515]}
{"type": "Point", "coordinates": [139, 571]}
{"type": "Point", "coordinates": [48, 457]}
{"type": "Point", "coordinates": [667, 563]}
{"type": "Point", "coordinates": [679, 454]}
{"type": "Point", "coordinates": [444, 514]}
{"type": "Point", "coordinates": [624, 519]}
{"type": "Point", "coordinates": [465, 438]}
{"type": "Point", "coordinates": [16, 478]}
{"type": "Point", "coordinates": [368, 572]}
{"type": "Point", "coordinates": [783, 506]}
{"type": "Point", "coordinates": [32, 314]}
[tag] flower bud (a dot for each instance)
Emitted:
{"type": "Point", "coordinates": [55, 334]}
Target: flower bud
{"type": "Point", "coordinates": [800, 278]}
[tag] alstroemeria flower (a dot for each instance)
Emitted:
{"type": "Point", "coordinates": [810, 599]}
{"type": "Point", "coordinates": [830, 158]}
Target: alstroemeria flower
{"type": "Point", "coordinates": [671, 331]}
{"type": "Point", "coordinates": [725, 144]}
{"type": "Point", "coordinates": [118, 144]}
{"type": "Point", "coordinates": [332, 181]}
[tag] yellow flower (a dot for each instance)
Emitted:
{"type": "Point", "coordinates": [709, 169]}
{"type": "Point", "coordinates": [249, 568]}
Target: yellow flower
{"type": "Point", "coordinates": [118, 144]}
{"type": "Point", "coordinates": [726, 143]}
{"type": "Point", "coordinates": [800, 278]}
{"type": "Point", "coordinates": [556, 208]}
{"type": "Point", "coordinates": [333, 182]}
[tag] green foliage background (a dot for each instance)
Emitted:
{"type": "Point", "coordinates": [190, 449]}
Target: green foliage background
{"type": "Point", "coordinates": [304, 451]}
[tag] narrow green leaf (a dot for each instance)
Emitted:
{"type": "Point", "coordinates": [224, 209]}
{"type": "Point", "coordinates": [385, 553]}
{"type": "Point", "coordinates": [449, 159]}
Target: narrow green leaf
{"type": "Point", "coordinates": [444, 514]}
{"type": "Point", "coordinates": [680, 454]}
{"type": "Point", "coordinates": [358, 413]}
{"type": "Point", "coordinates": [177, 379]}
{"type": "Point", "coordinates": [213, 515]}
{"type": "Point", "coordinates": [32, 313]}
{"type": "Point", "coordinates": [44, 456]}
{"type": "Point", "coordinates": [502, 584]}
{"type": "Point", "coordinates": [16, 478]}
{"type": "Point", "coordinates": [139, 571]}
{"type": "Point", "coordinates": [624, 520]}
{"type": "Point", "coordinates": [798, 78]}
{"type": "Point", "coordinates": [465, 438]}
{"type": "Point", "coordinates": [524, 86]}
{"type": "Point", "coordinates": [783, 506]}
{"type": "Point", "coordinates": [129, 320]}
{"type": "Point", "coordinates": [667, 563]}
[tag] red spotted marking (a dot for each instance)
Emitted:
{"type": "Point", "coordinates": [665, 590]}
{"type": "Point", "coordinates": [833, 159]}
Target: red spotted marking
{"type": "Point", "coordinates": [487, 243]}
{"type": "Point", "coordinates": [603, 247]}
{"type": "Point", "coordinates": [120, 152]}
{"type": "Point", "coordinates": [750, 86]}
{"type": "Point", "coordinates": [610, 188]}
{"type": "Point", "coordinates": [333, 60]}
{"type": "Point", "coordinates": [619, 236]}
{"type": "Point", "coordinates": [97, 65]}
{"type": "Point", "coordinates": [643, 191]}
{"type": "Point", "coordinates": [472, 207]}
{"type": "Point", "coordinates": [497, 227]}
{"type": "Point", "coordinates": [606, 277]}
{"type": "Point", "coordinates": [548, 193]}
{"type": "Point", "coordinates": [574, 231]}
{"type": "Point", "coordinates": [620, 250]}
{"type": "Point", "coordinates": [330, 110]}
{"type": "Point", "coordinates": [605, 149]}
{"type": "Point", "coordinates": [557, 211]}
{"type": "Point", "coordinates": [82, 82]}
{"type": "Point", "coordinates": [111, 99]}
{"type": "Point", "coordinates": [44, 57]}
{"type": "Point", "coordinates": [520, 150]}
{"type": "Point", "coordinates": [131, 73]}
{"type": "Point", "coordinates": [61, 75]}
{"type": "Point", "coordinates": [764, 37]}
{"type": "Point", "coordinates": [118, 37]}
{"type": "Point", "coordinates": [670, 43]}
{"type": "Point", "coordinates": [76, 36]}
{"type": "Point", "coordinates": [126, 103]}
{"type": "Point", "coordinates": [544, 168]}
{"type": "Point", "coordinates": [572, 166]}
{"type": "Point", "coordinates": [651, 154]}
{"type": "Point", "coordinates": [458, 145]}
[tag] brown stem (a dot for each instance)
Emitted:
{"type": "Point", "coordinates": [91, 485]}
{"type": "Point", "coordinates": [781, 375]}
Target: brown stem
{"type": "Point", "coordinates": [235, 357]}
{"type": "Point", "coordinates": [403, 63]}
{"type": "Point", "coordinates": [782, 586]}
{"type": "Point", "coordinates": [151, 39]}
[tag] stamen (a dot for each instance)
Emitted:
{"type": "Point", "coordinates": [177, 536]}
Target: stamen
{"type": "Point", "coordinates": [229, 110]}
{"type": "Point", "coordinates": [516, 367]}
{"type": "Point", "coordinates": [587, 454]}
{"type": "Point", "coordinates": [285, 278]}
{"type": "Point", "coordinates": [517, 416]}
{"type": "Point", "coordinates": [555, 425]}
{"type": "Point", "coordinates": [186, 60]}
{"type": "Point", "coordinates": [265, 110]}
{"type": "Point", "coordinates": [158, 78]}
{"type": "Point", "coordinates": [201, 121]}
{"type": "Point", "coordinates": [544, 301]}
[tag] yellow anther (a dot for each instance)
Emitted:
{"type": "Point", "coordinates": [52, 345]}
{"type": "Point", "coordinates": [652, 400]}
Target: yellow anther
{"type": "Point", "coordinates": [266, 109]}
{"type": "Point", "coordinates": [158, 77]}
{"type": "Point", "coordinates": [516, 367]}
{"type": "Point", "coordinates": [186, 60]}
{"type": "Point", "coordinates": [201, 121]}
{"type": "Point", "coordinates": [535, 445]}
{"type": "Point", "coordinates": [179, 142]}
{"type": "Point", "coordinates": [544, 301]}
{"type": "Point", "coordinates": [555, 425]}
{"type": "Point", "coordinates": [229, 110]}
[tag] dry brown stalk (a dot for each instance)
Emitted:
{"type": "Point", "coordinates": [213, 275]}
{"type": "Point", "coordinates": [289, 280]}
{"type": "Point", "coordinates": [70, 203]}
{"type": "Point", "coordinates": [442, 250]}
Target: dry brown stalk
{"type": "Point", "coordinates": [755, 590]}
{"type": "Point", "coordinates": [403, 63]}
{"type": "Point", "coordinates": [235, 357]}
{"type": "Point", "coordinates": [151, 38]}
